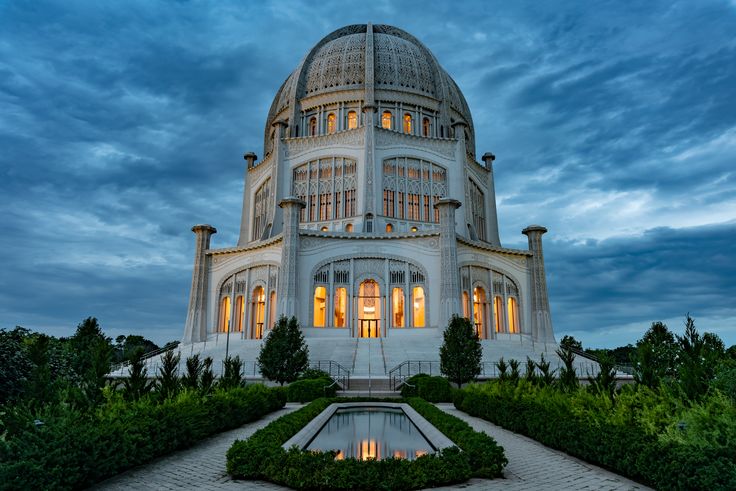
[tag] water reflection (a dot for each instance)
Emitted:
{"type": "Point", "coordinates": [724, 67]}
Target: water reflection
{"type": "Point", "coordinates": [371, 433]}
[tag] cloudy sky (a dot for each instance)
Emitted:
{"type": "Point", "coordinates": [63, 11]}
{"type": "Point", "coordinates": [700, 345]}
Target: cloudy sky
{"type": "Point", "coordinates": [122, 124]}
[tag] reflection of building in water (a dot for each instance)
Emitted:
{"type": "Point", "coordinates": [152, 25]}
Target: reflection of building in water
{"type": "Point", "coordinates": [369, 212]}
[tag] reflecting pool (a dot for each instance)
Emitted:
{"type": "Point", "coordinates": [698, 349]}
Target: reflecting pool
{"type": "Point", "coordinates": [371, 433]}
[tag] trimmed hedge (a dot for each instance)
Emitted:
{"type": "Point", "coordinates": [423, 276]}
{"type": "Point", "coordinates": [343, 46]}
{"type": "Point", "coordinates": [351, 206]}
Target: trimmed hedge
{"type": "Point", "coordinates": [262, 457]}
{"type": "Point", "coordinates": [623, 448]}
{"type": "Point", "coordinates": [310, 389]}
{"type": "Point", "coordinates": [72, 450]}
{"type": "Point", "coordinates": [429, 388]}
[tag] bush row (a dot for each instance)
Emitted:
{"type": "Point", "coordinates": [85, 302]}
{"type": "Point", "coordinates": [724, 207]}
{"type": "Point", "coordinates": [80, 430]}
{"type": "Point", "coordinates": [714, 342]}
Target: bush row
{"type": "Point", "coordinates": [624, 448]}
{"type": "Point", "coordinates": [72, 450]}
{"type": "Point", "coordinates": [310, 389]}
{"type": "Point", "coordinates": [429, 388]}
{"type": "Point", "coordinates": [262, 457]}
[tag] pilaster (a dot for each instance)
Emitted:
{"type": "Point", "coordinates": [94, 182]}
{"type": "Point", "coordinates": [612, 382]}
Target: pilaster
{"type": "Point", "coordinates": [288, 302]}
{"type": "Point", "coordinates": [492, 220]}
{"type": "Point", "coordinates": [195, 328]}
{"type": "Point", "coordinates": [541, 318]}
{"type": "Point", "coordinates": [280, 180]}
{"type": "Point", "coordinates": [450, 274]}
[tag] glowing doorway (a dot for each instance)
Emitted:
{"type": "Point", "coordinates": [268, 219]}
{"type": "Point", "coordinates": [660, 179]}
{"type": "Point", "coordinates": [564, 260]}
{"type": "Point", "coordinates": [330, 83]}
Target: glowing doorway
{"type": "Point", "coordinates": [369, 310]}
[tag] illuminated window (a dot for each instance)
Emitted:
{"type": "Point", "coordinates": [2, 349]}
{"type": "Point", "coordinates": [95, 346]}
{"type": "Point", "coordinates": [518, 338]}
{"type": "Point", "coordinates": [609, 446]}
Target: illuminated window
{"type": "Point", "coordinates": [239, 311]}
{"type": "Point", "coordinates": [388, 202]}
{"type": "Point", "coordinates": [513, 313]}
{"type": "Point", "coordinates": [397, 301]}
{"type": "Point", "coordinates": [411, 187]}
{"type": "Point", "coordinates": [426, 127]}
{"type": "Point", "coordinates": [327, 186]}
{"type": "Point", "coordinates": [312, 126]}
{"type": "Point", "coordinates": [261, 208]}
{"type": "Point", "coordinates": [479, 299]}
{"type": "Point", "coordinates": [324, 229]}
{"type": "Point", "coordinates": [352, 120]}
{"type": "Point", "coordinates": [498, 313]}
{"type": "Point", "coordinates": [272, 309]}
{"type": "Point", "coordinates": [418, 304]}
{"type": "Point", "coordinates": [258, 310]}
{"type": "Point", "coordinates": [331, 123]}
{"type": "Point", "coordinates": [349, 227]}
{"type": "Point", "coordinates": [477, 207]}
{"type": "Point", "coordinates": [369, 309]}
{"type": "Point", "coordinates": [386, 120]}
{"type": "Point", "coordinates": [407, 123]}
{"type": "Point", "coordinates": [320, 306]}
{"type": "Point", "coordinates": [414, 229]}
{"type": "Point", "coordinates": [341, 307]}
{"type": "Point", "coordinates": [466, 313]}
{"type": "Point", "coordinates": [225, 314]}
{"type": "Point", "coordinates": [389, 227]}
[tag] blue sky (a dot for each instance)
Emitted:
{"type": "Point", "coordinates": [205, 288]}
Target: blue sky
{"type": "Point", "coordinates": [122, 124]}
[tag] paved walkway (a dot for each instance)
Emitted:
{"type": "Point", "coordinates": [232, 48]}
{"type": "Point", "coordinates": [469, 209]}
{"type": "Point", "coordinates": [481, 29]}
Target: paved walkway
{"type": "Point", "coordinates": [531, 465]}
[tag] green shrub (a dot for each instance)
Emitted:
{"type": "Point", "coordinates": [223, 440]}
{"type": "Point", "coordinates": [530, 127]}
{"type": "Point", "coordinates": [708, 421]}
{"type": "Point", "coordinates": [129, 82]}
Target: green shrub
{"type": "Point", "coordinates": [432, 389]}
{"type": "Point", "coordinates": [588, 426]}
{"type": "Point", "coordinates": [262, 457]}
{"type": "Point", "coordinates": [75, 450]}
{"type": "Point", "coordinates": [310, 389]}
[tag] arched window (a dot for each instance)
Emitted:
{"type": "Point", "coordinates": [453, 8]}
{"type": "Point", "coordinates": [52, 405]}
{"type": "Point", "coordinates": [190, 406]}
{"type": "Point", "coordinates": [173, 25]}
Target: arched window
{"type": "Point", "coordinates": [386, 120]}
{"type": "Point", "coordinates": [272, 309]}
{"type": "Point", "coordinates": [320, 306]}
{"type": "Point", "coordinates": [466, 312]}
{"type": "Point", "coordinates": [258, 309]}
{"type": "Point", "coordinates": [479, 299]}
{"type": "Point", "coordinates": [239, 311]}
{"type": "Point", "coordinates": [369, 309]}
{"type": "Point", "coordinates": [331, 123]}
{"type": "Point", "coordinates": [341, 307]}
{"type": "Point", "coordinates": [324, 229]}
{"type": "Point", "coordinates": [397, 302]}
{"type": "Point", "coordinates": [389, 227]}
{"type": "Point", "coordinates": [498, 312]}
{"type": "Point", "coordinates": [369, 223]}
{"type": "Point", "coordinates": [261, 208]}
{"type": "Point", "coordinates": [407, 123]}
{"type": "Point", "coordinates": [414, 228]}
{"type": "Point", "coordinates": [312, 126]}
{"type": "Point", "coordinates": [426, 127]}
{"type": "Point", "coordinates": [225, 314]}
{"type": "Point", "coordinates": [513, 313]}
{"type": "Point", "coordinates": [352, 120]}
{"type": "Point", "coordinates": [417, 300]}
{"type": "Point", "coordinates": [349, 227]}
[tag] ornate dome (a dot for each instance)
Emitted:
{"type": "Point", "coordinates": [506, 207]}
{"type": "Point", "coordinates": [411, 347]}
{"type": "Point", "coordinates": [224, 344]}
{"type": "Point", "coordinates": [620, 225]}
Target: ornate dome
{"type": "Point", "coordinates": [374, 59]}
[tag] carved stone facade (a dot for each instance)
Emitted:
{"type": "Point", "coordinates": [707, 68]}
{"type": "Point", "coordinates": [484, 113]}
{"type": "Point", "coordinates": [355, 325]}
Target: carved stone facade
{"type": "Point", "coordinates": [369, 214]}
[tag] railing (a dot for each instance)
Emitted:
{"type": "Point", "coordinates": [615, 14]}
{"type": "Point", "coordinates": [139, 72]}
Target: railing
{"type": "Point", "coordinates": [619, 367]}
{"type": "Point", "coordinates": [397, 376]}
{"type": "Point", "coordinates": [119, 366]}
{"type": "Point", "coordinates": [337, 372]}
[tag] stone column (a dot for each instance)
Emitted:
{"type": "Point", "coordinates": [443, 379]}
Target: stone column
{"type": "Point", "coordinates": [288, 302]}
{"type": "Point", "coordinates": [280, 177]}
{"type": "Point", "coordinates": [245, 218]}
{"type": "Point", "coordinates": [195, 329]}
{"type": "Point", "coordinates": [450, 275]}
{"type": "Point", "coordinates": [541, 318]}
{"type": "Point", "coordinates": [492, 219]}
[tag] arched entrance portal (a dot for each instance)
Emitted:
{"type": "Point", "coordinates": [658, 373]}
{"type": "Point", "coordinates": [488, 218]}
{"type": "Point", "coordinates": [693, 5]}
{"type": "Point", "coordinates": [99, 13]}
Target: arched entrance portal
{"type": "Point", "coordinates": [369, 310]}
{"type": "Point", "coordinates": [258, 309]}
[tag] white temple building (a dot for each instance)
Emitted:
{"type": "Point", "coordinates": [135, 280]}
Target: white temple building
{"type": "Point", "coordinates": [369, 216]}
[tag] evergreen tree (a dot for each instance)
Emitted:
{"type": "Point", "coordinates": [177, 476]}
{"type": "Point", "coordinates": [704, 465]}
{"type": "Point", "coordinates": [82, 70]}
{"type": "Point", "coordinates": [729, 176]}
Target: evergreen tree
{"type": "Point", "coordinates": [568, 380]}
{"type": "Point", "coordinates": [547, 376]}
{"type": "Point", "coordinates": [168, 379]}
{"type": "Point", "coordinates": [207, 380]}
{"type": "Point", "coordinates": [284, 354]}
{"type": "Point", "coordinates": [190, 380]}
{"type": "Point", "coordinates": [136, 385]}
{"type": "Point", "coordinates": [232, 373]}
{"type": "Point", "coordinates": [461, 351]}
{"type": "Point", "coordinates": [604, 382]}
{"type": "Point", "coordinates": [655, 356]}
{"type": "Point", "coordinates": [530, 374]}
{"type": "Point", "coordinates": [514, 374]}
{"type": "Point", "coordinates": [503, 370]}
{"type": "Point", "coordinates": [571, 342]}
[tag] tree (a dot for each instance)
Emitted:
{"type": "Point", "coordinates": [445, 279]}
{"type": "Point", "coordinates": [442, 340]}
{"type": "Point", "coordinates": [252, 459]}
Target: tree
{"type": "Point", "coordinates": [655, 356]}
{"type": "Point", "coordinates": [136, 385]}
{"type": "Point", "coordinates": [284, 354]}
{"type": "Point", "coordinates": [698, 359]}
{"type": "Point", "coordinates": [190, 380]}
{"type": "Point", "coordinates": [232, 373]}
{"type": "Point", "coordinates": [15, 366]}
{"type": "Point", "coordinates": [604, 382]}
{"type": "Point", "coordinates": [547, 376]}
{"type": "Point", "coordinates": [168, 378]}
{"type": "Point", "coordinates": [83, 345]}
{"type": "Point", "coordinates": [461, 351]}
{"type": "Point", "coordinates": [571, 342]}
{"type": "Point", "coordinates": [207, 380]}
{"type": "Point", "coordinates": [568, 380]}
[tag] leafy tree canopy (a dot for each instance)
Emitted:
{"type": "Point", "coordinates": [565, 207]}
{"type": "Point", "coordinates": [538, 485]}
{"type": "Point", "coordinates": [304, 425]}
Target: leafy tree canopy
{"type": "Point", "coordinates": [461, 351]}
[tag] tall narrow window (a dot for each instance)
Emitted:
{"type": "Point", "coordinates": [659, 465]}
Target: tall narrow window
{"type": "Point", "coordinates": [478, 209]}
{"type": "Point", "coordinates": [320, 306]}
{"type": "Point", "coordinates": [407, 123]}
{"type": "Point", "coordinates": [225, 314]}
{"type": "Point", "coordinates": [418, 304]}
{"type": "Point", "coordinates": [341, 307]}
{"type": "Point", "coordinates": [386, 120]}
{"type": "Point", "coordinates": [258, 312]}
{"type": "Point", "coordinates": [272, 310]}
{"type": "Point", "coordinates": [349, 227]}
{"type": "Point", "coordinates": [239, 311]}
{"type": "Point", "coordinates": [331, 123]}
{"type": "Point", "coordinates": [466, 313]}
{"type": "Point", "coordinates": [388, 203]}
{"type": "Point", "coordinates": [479, 299]}
{"type": "Point", "coordinates": [425, 127]}
{"type": "Point", "coordinates": [262, 204]}
{"type": "Point", "coordinates": [389, 228]}
{"type": "Point", "coordinates": [400, 203]}
{"type": "Point", "coordinates": [498, 313]}
{"type": "Point", "coordinates": [312, 126]}
{"type": "Point", "coordinates": [513, 313]}
{"type": "Point", "coordinates": [352, 120]}
{"type": "Point", "coordinates": [397, 303]}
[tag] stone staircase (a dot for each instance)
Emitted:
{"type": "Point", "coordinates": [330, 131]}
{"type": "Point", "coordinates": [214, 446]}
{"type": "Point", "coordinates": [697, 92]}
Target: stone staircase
{"type": "Point", "coordinates": [369, 387]}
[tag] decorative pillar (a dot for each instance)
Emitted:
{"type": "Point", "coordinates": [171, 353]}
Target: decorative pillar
{"type": "Point", "coordinates": [492, 221]}
{"type": "Point", "coordinates": [195, 329]}
{"type": "Point", "coordinates": [280, 176]}
{"type": "Point", "coordinates": [541, 318]}
{"type": "Point", "coordinates": [288, 302]}
{"type": "Point", "coordinates": [245, 218]}
{"type": "Point", "coordinates": [450, 282]}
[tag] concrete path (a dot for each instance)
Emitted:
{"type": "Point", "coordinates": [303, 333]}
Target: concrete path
{"type": "Point", "coordinates": [531, 465]}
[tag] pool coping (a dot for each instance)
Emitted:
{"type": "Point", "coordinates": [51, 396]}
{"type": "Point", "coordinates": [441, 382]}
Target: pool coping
{"type": "Point", "coordinates": [434, 436]}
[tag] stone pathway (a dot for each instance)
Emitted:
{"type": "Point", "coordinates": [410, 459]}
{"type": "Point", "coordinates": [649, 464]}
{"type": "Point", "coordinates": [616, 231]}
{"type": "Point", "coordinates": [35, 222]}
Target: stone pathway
{"type": "Point", "coordinates": [531, 465]}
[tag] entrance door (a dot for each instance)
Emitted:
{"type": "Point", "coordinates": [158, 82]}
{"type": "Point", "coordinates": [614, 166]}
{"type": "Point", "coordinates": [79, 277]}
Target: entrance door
{"type": "Point", "coordinates": [369, 310]}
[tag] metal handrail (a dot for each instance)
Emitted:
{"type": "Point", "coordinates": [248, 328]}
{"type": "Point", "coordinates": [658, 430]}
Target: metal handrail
{"type": "Point", "coordinates": [150, 354]}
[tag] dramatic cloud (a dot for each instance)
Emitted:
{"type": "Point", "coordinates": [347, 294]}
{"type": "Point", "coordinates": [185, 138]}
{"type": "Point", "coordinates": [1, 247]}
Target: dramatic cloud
{"type": "Point", "coordinates": [122, 125]}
